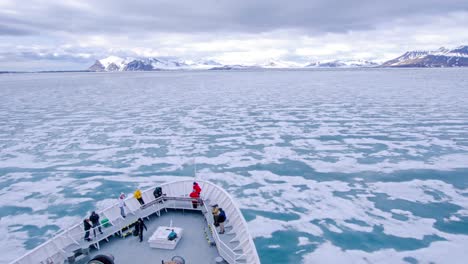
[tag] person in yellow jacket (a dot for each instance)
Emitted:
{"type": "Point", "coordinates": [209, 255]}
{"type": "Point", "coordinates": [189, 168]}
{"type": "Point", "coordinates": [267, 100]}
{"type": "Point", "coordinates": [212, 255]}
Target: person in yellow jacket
{"type": "Point", "coordinates": [137, 195]}
{"type": "Point", "coordinates": [215, 212]}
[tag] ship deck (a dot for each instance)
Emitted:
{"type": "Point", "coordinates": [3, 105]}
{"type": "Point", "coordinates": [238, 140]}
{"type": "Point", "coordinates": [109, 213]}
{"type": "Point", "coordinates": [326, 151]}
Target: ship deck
{"type": "Point", "coordinates": [193, 245]}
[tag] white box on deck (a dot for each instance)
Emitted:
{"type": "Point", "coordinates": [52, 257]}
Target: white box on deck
{"type": "Point", "coordinates": [159, 238]}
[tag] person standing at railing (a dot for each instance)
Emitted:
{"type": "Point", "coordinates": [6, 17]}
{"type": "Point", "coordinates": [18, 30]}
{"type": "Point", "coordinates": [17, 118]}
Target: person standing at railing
{"type": "Point", "coordinates": [196, 188]}
{"type": "Point", "coordinates": [122, 204]}
{"type": "Point", "coordinates": [195, 197]}
{"type": "Point", "coordinates": [95, 220]}
{"type": "Point", "coordinates": [87, 227]}
{"type": "Point", "coordinates": [221, 220]}
{"type": "Point", "coordinates": [215, 212]}
{"type": "Point", "coordinates": [137, 195]}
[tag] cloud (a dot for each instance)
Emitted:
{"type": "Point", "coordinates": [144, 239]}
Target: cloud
{"type": "Point", "coordinates": [129, 17]}
{"type": "Point", "coordinates": [12, 31]}
{"type": "Point", "coordinates": [230, 31]}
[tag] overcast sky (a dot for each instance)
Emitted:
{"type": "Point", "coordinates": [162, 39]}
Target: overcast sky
{"type": "Point", "coordinates": [72, 34]}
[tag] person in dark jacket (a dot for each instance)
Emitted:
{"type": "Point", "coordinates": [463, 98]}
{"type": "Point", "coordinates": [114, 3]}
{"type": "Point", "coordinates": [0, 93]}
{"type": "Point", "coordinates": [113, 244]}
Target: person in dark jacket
{"type": "Point", "coordinates": [87, 227]}
{"type": "Point", "coordinates": [139, 225]}
{"type": "Point", "coordinates": [95, 220]}
{"type": "Point", "coordinates": [221, 219]}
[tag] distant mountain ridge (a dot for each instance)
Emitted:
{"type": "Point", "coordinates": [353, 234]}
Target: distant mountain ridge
{"type": "Point", "coordinates": [342, 64]}
{"type": "Point", "coordinates": [114, 63]}
{"type": "Point", "coordinates": [442, 57]}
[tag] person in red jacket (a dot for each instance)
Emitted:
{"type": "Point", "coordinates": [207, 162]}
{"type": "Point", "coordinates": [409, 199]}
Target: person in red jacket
{"type": "Point", "coordinates": [195, 195]}
{"type": "Point", "coordinates": [196, 188]}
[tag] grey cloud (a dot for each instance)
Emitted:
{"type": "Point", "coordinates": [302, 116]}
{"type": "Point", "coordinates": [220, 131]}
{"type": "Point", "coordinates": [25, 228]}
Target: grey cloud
{"type": "Point", "coordinates": [29, 55]}
{"type": "Point", "coordinates": [69, 55]}
{"type": "Point", "coordinates": [32, 61]}
{"type": "Point", "coordinates": [267, 15]}
{"type": "Point", "coordinates": [13, 31]}
{"type": "Point", "coordinates": [140, 17]}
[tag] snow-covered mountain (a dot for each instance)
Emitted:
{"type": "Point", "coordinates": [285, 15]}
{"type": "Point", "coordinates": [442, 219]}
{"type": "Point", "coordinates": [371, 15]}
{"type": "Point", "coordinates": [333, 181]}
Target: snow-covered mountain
{"type": "Point", "coordinates": [111, 63]}
{"type": "Point", "coordinates": [442, 57]}
{"type": "Point", "coordinates": [342, 64]}
{"type": "Point", "coordinates": [154, 64]}
{"type": "Point", "coordinates": [203, 64]}
{"type": "Point", "coordinates": [279, 64]}
{"type": "Point", "coordinates": [114, 63]}
{"type": "Point", "coordinates": [236, 67]}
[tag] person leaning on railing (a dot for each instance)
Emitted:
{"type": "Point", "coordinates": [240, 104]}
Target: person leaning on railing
{"type": "Point", "coordinates": [137, 195]}
{"type": "Point", "coordinates": [122, 204]}
{"type": "Point", "coordinates": [87, 227]}
{"type": "Point", "coordinates": [221, 219]}
{"type": "Point", "coordinates": [196, 196]}
{"type": "Point", "coordinates": [215, 212]}
{"type": "Point", "coordinates": [196, 188]}
{"type": "Point", "coordinates": [95, 220]}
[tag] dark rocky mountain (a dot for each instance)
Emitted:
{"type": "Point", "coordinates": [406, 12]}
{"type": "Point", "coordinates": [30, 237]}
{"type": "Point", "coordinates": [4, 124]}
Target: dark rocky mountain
{"type": "Point", "coordinates": [442, 57]}
{"type": "Point", "coordinates": [461, 50]}
{"type": "Point", "coordinates": [138, 65]}
{"type": "Point", "coordinates": [97, 67]}
{"type": "Point", "coordinates": [112, 67]}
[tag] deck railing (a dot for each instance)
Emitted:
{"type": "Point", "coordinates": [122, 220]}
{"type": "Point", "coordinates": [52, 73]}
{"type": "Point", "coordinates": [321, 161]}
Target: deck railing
{"type": "Point", "coordinates": [224, 250]}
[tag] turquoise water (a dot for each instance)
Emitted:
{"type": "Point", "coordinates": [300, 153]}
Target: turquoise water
{"type": "Point", "coordinates": [328, 166]}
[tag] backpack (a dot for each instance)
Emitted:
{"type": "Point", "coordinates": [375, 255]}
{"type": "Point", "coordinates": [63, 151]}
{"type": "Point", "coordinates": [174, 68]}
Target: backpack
{"type": "Point", "coordinates": [222, 217]}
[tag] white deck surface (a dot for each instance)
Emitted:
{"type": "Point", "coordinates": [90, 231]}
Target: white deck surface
{"type": "Point", "coordinates": [193, 247]}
